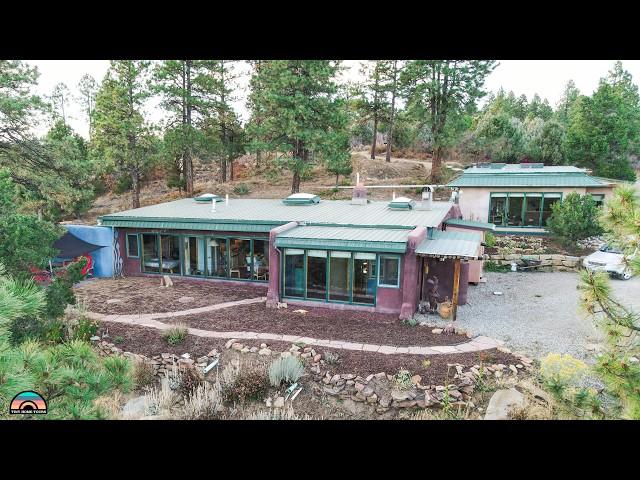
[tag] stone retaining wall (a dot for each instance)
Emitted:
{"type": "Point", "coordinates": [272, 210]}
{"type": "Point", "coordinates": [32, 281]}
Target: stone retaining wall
{"type": "Point", "coordinates": [551, 262]}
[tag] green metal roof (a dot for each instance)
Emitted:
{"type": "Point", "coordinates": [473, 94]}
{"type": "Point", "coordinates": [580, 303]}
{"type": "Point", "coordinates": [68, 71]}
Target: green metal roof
{"type": "Point", "coordinates": [519, 175]}
{"type": "Point", "coordinates": [450, 244]}
{"type": "Point", "coordinates": [185, 213]}
{"type": "Point", "coordinates": [345, 238]}
{"type": "Point", "coordinates": [459, 222]}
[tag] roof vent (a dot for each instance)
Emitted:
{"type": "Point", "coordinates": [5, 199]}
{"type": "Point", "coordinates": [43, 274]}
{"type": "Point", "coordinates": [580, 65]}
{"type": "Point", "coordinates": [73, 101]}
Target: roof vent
{"type": "Point", "coordinates": [301, 199]}
{"type": "Point", "coordinates": [497, 166]}
{"type": "Point", "coordinates": [401, 203]}
{"type": "Point", "coordinates": [532, 165]}
{"type": "Point", "coordinates": [208, 197]}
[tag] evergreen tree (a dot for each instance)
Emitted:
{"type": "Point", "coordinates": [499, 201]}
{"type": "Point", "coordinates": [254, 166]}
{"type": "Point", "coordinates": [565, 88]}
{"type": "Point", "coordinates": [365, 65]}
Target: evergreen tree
{"type": "Point", "coordinates": [87, 88]}
{"type": "Point", "coordinates": [302, 113]}
{"type": "Point", "coordinates": [568, 99]}
{"type": "Point", "coordinates": [122, 139]}
{"type": "Point", "coordinates": [437, 91]}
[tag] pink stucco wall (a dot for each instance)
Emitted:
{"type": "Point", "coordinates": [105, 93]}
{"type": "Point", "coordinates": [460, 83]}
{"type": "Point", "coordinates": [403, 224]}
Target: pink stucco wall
{"type": "Point", "coordinates": [273, 293]}
{"type": "Point", "coordinates": [411, 272]}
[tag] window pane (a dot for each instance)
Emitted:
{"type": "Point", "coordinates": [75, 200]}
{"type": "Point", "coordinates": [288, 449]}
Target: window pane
{"type": "Point", "coordinates": [514, 218]}
{"type": "Point", "coordinates": [194, 256]}
{"type": "Point", "coordinates": [132, 245]}
{"type": "Point", "coordinates": [240, 251]}
{"type": "Point", "coordinates": [532, 210]}
{"type": "Point", "coordinates": [294, 273]}
{"type": "Point", "coordinates": [546, 212]}
{"type": "Point", "coordinates": [217, 258]}
{"type": "Point", "coordinates": [364, 280]}
{"type": "Point", "coordinates": [261, 259]}
{"type": "Point", "coordinates": [316, 274]}
{"type": "Point", "coordinates": [340, 277]}
{"type": "Point", "coordinates": [389, 271]}
{"type": "Point", "coordinates": [150, 263]}
{"type": "Point", "coordinates": [496, 209]}
{"type": "Point", "coordinates": [170, 245]}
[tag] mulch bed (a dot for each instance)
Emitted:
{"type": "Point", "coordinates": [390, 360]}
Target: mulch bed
{"type": "Point", "coordinates": [149, 342]}
{"type": "Point", "coordinates": [321, 323]}
{"type": "Point", "coordinates": [144, 294]}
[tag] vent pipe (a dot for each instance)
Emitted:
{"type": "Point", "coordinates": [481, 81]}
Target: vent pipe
{"type": "Point", "coordinates": [226, 199]}
{"type": "Point", "coordinates": [359, 196]}
{"type": "Point", "coordinates": [427, 201]}
{"type": "Point", "coordinates": [213, 204]}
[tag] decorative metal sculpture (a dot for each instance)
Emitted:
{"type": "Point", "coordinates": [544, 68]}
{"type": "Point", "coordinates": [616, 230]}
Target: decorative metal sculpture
{"type": "Point", "coordinates": [433, 294]}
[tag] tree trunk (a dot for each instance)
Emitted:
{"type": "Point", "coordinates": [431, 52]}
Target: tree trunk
{"type": "Point", "coordinates": [337, 178]}
{"type": "Point", "coordinates": [436, 164]}
{"type": "Point", "coordinates": [135, 189]}
{"type": "Point", "coordinates": [375, 135]}
{"type": "Point", "coordinates": [295, 185]}
{"type": "Point", "coordinates": [393, 104]}
{"type": "Point", "coordinates": [231, 169]}
{"type": "Point", "coordinates": [188, 161]}
{"type": "Point", "coordinates": [258, 158]}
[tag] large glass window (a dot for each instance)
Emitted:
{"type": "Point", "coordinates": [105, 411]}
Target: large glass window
{"type": "Point", "coordinates": [132, 245]}
{"type": "Point", "coordinates": [339, 276]}
{"type": "Point", "coordinates": [293, 272]}
{"type": "Point", "coordinates": [316, 274]}
{"type": "Point", "coordinates": [497, 207]}
{"type": "Point", "coordinates": [598, 198]}
{"type": "Point", "coordinates": [170, 245]}
{"type": "Point", "coordinates": [217, 257]}
{"type": "Point", "coordinates": [514, 217]}
{"type": "Point", "coordinates": [261, 259]}
{"type": "Point", "coordinates": [150, 249]}
{"type": "Point", "coordinates": [389, 271]}
{"type": "Point", "coordinates": [533, 207]}
{"type": "Point", "coordinates": [548, 201]}
{"type": "Point", "coordinates": [240, 255]}
{"type": "Point", "coordinates": [364, 278]}
{"type": "Point", "coordinates": [194, 253]}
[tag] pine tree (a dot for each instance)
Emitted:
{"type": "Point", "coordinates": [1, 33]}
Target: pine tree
{"type": "Point", "coordinates": [301, 113]}
{"type": "Point", "coordinates": [87, 88]}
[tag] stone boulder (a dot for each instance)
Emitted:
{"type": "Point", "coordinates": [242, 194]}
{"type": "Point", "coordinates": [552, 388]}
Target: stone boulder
{"type": "Point", "coordinates": [502, 403]}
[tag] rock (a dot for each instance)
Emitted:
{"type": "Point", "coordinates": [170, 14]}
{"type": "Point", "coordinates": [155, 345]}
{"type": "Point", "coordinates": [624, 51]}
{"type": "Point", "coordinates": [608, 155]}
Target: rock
{"type": "Point", "coordinates": [416, 379]}
{"type": "Point", "coordinates": [437, 331]}
{"type": "Point", "coordinates": [399, 395]}
{"type": "Point", "coordinates": [95, 338]}
{"type": "Point", "coordinates": [135, 408]}
{"type": "Point", "coordinates": [237, 346]}
{"type": "Point", "coordinates": [285, 354]}
{"type": "Point", "coordinates": [372, 399]}
{"type": "Point", "coordinates": [317, 358]}
{"type": "Point", "coordinates": [264, 351]}
{"type": "Point", "coordinates": [213, 353]}
{"type": "Point", "coordinates": [385, 400]}
{"type": "Point", "coordinates": [359, 386]}
{"type": "Point", "coordinates": [335, 378]}
{"type": "Point", "coordinates": [513, 369]}
{"type": "Point", "coordinates": [306, 355]}
{"type": "Point", "coordinates": [245, 350]}
{"type": "Point", "coordinates": [185, 299]}
{"type": "Point", "coordinates": [300, 310]}
{"type": "Point", "coordinates": [503, 349]}
{"type": "Point", "coordinates": [498, 374]}
{"type": "Point", "coordinates": [633, 359]}
{"type": "Point", "coordinates": [253, 349]}
{"type": "Point", "coordinates": [518, 365]}
{"type": "Point", "coordinates": [203, 359]}
{"type": "Point", "coordinates": [114, 300]}
{"type": "Point", "coordinates": [367, 391]}
{"type": "Point", "coordinates": [185, 355]}
{"type": "Point", "coordinates": [347, 376]}
{"type": "Point", "coordinates": [263, 345]}
{"type": "Point", "coordinates": [502, 402]}
{"type": "Point", "coordinates": [449, 329]}
{"type": "Point", "coordinates": [537, 393]}
{"type": "Point", "coordinates": [279, 402]}
{"type": "Point", "coordinates": [268, 402]}
{"type": "Point", "coordinates": [229, 343]}
{"type": "Point", "coordinates": [281, 305]}
{"type": "Point", "coordinates": [455, 394]}
{"type": "Point", "coordinates": [166, 281]}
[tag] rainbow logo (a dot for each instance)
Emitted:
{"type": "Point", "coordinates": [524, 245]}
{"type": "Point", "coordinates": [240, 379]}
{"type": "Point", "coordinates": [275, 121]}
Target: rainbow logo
{"type": "Point", "coordinates": [28, 402]}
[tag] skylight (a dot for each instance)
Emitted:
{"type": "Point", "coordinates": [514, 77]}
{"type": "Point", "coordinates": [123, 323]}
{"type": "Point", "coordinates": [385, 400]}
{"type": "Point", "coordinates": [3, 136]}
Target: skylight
{"type": "Point", "coordinates": [301, 199]}
{"type": "Point", "coordinates": [401, 203]}
{"type": "Point", "coordinates": [207, 197]}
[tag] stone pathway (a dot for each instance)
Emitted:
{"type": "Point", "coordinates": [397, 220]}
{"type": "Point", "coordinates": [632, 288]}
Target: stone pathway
{"type": "Point", "coordinates": [149, 320]}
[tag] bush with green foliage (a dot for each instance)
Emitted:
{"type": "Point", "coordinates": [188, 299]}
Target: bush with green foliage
{"type": "Point", "coordinates": [490, 240]}
{"type": "Point", "coordinates": [331, 358]}
{"type": "Point", "coordinates": [249, 385]}
{"type": "Point", "coordinates": [491, 266]}
{"type": "Point", "coordinates": [288, 369]}
{"type": "Point", "coordinates": [175, 335]}
{"type": "Point", "coordinates": [575, 218]}
{"type": "Point", "coordinates": [241, 189]}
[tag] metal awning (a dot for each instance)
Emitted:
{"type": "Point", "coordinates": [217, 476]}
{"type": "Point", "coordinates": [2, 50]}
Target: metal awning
{"type": "Point", "coordinates": [459, 222]}
{"type": "Point", "coordinates": [345, 238]}
{"type": "Point", "coordinates": [451, 245]}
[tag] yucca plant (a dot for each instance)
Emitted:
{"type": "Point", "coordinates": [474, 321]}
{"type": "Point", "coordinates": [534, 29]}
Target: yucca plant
{"type": "Point", "coordinates": [288, 369]}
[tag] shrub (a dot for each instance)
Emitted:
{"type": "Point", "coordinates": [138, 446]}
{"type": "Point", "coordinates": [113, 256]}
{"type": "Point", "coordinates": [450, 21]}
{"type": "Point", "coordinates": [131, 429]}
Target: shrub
{"type": "Point", "coordinates": [251, 385]}
{"type": "Point", "coordinates": [118, 340]}
{"type": "Point", "coordinates": [175, 335]}
{"type": "Point", "coordinates": [85, 329]}
{"type": "Point", "coordinates": [205, 403]}
{"type": "Point", "coordinates": [331, 358]}
{"type": "Point", "coordinates": [412, 322]}
{"type": "Point", "coordinates": [241, 189]}
{"type": "Point", "coordinates": [189, 381]}
{"type": "Point", "coordinates": [403, 379]}
{"type": "Point", "coordinates": [119, 372]}
{"type": "Point", "coordinates": [490, 266]}
{"type": "Point", "coordinates": [575, 218]}
{"type": "Point", "coordinates": [561, 371]}
{"type": "Point", "coordinates": [143, 374]}
{"type": "Point", "coordinates": [288, 369]}
{"type": "Point", "coordinates": [490, 240]}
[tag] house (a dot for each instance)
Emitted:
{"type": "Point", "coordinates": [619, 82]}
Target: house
{"type": "Point", "coordinates": [517, 198]}
{"type": "Point", "coordinates": [348, 254]}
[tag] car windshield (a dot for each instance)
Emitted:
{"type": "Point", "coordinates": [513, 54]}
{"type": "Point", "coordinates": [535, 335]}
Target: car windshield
{"type": "Point", "coordinates": [610, 249]}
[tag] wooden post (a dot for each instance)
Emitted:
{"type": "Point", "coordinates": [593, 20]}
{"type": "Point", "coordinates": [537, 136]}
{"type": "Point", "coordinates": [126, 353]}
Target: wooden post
{"type": "Point", "coordinates": [456, 287]}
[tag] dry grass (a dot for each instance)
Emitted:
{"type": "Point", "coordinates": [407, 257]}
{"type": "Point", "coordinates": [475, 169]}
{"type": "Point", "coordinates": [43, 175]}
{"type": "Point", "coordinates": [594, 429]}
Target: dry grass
{"type": "Point", "coordinates": [110, 405]}
{"type": "Point", "coordinates": [143, 374]}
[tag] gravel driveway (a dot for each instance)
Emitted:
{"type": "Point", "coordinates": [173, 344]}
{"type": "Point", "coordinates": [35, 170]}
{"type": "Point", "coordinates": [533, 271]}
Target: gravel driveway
{"type": "Point", "coordinates": [537, 312]}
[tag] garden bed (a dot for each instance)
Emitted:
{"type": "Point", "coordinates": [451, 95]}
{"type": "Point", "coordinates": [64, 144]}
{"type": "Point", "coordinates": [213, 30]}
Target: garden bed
{"type": "Point", "coordinates": [532, 245]}
{"type": "Point", "coordinates": [320, 323]}
{"type": "Point", "coordinates": [144, 295]}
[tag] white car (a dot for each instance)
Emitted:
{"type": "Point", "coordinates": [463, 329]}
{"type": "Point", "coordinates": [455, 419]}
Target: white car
{"type": "Point", "coordinates": [609, 259]}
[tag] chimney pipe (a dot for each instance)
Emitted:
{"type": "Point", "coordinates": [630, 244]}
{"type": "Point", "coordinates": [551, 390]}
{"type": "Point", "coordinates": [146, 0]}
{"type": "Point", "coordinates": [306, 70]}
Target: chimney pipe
{"type": "Point", "coordinates": [359, 196]}
{"type": "Point", "coordinates": [213, 204]}
{"type": "Point", "coordinates": [226, 199]}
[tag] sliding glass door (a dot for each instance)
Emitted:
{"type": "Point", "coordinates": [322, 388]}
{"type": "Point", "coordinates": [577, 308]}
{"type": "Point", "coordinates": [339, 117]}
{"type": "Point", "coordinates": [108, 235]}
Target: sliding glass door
{"type": "Point", "coordinates": [194, 253]}
{"type": "Point", "coordinates": [528, 209]}
{"type": "Point", "coordinates": [218, 257]}
{"type": "Point", "coordinates": [364, 278]}
{"type": "Point", "coordinates": [170, 247]}
{"type": "Point", "coordinates": [150, 253]}
{"type": "Point", "coordinates": [317, 274]}
{"type": "Point", "coordinates": [294, 273]}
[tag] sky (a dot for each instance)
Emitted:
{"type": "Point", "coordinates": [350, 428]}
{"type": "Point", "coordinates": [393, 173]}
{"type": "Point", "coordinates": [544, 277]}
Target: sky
{"type": "Point", "coordinates": [544, 77]}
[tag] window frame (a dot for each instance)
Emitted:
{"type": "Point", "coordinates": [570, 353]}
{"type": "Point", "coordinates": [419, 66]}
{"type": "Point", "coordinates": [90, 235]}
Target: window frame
{"type": "Point", "coordinates": [137, 244]}
{"type": "Point", "coordinates": [381, 258]}
{"type": "Point", "coordinates": [507, 195]}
